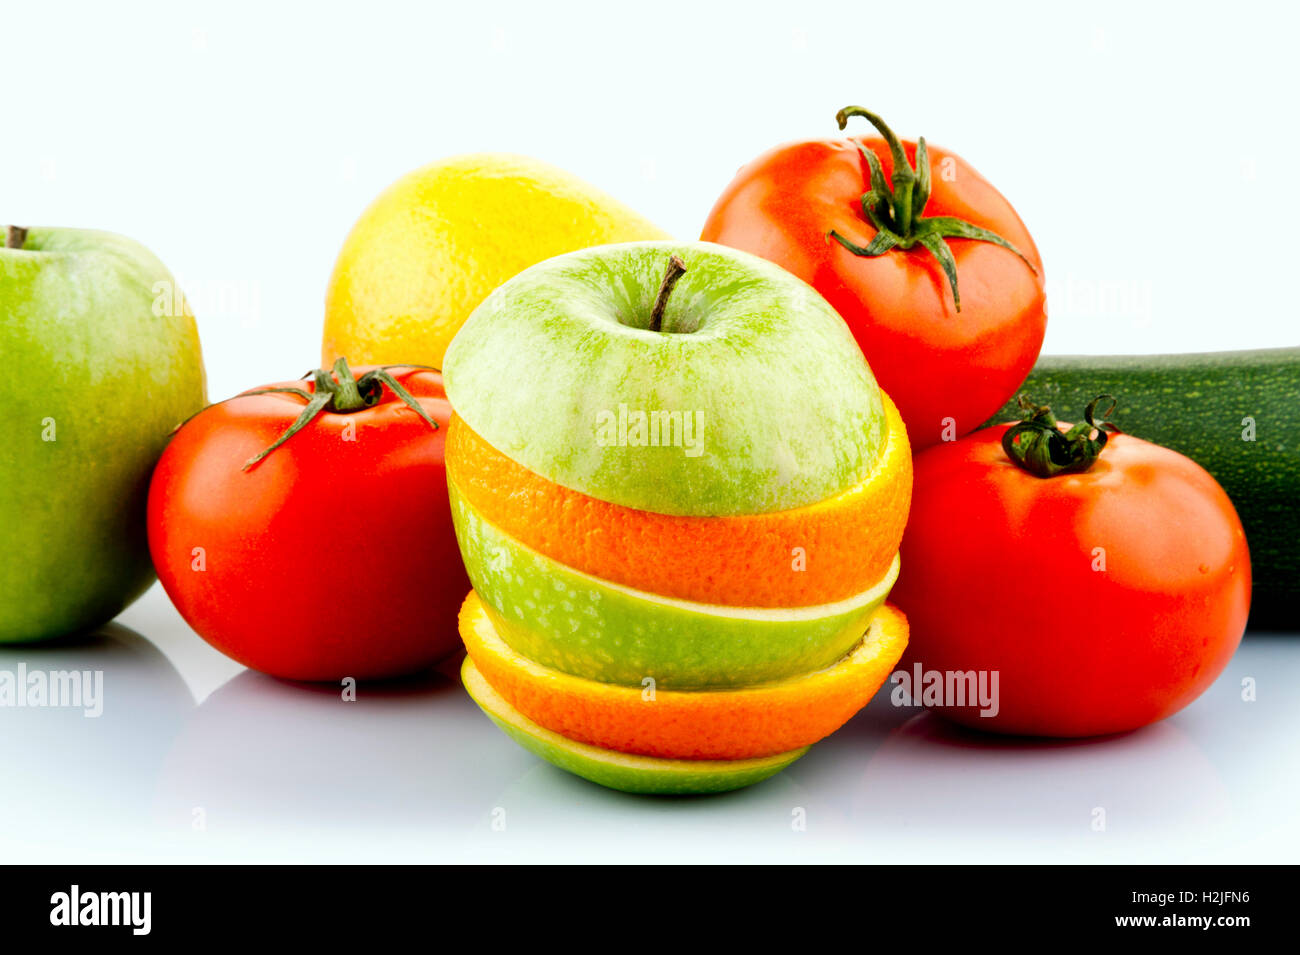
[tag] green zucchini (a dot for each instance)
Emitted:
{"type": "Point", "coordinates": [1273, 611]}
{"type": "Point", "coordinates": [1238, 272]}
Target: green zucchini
{"type": "Point", "coordinates": [1237, 414]}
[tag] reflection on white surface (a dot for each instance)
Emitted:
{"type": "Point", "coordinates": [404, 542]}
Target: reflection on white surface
{"type": "Point", "coordinates": [267, 770]}
{"type": "Point", "coordinates": [69, 778]}
{"type": "Point", "coordinates": [263, 753]}
{"type": "Point", "coordinates": [1085, 797]}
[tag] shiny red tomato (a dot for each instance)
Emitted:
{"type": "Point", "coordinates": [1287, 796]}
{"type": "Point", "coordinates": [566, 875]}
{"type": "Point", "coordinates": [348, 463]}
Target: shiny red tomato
{"type": "Point", "coordinates": [1103, 598]}
{"type": "Point", "coordinates": [950, 319]}
{"type": "Point", "coordinates": [333, 555]}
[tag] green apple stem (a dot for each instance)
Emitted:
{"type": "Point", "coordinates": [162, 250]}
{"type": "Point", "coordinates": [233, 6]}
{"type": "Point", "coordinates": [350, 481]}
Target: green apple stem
{"type": "Point", "coordinates": [676, 268]}
{"type": "Point", "coordinates": [15, 237]}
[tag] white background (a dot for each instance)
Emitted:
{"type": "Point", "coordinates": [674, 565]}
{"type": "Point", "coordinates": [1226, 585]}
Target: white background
{"type": "Point", "coordinates": [1150, 150]}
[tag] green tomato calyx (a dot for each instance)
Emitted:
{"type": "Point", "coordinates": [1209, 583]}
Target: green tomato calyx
{"type": "Point", "coordinates": [897, 212]}
{"type": "Point", "coordinates": [1038, 446]}
{"type": "Point", "coordinates": [339, 392]}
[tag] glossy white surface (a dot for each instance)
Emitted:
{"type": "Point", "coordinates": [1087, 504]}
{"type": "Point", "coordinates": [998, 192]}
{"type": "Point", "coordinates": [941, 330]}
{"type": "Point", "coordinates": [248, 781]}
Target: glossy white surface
{"type": "Point", "coordinates": [195, 758]}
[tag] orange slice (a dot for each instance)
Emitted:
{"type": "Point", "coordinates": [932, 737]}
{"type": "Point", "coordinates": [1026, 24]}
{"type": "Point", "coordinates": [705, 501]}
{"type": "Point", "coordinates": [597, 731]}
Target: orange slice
{"type": "Point", "coordinates": [622, 771]}
{"type": "Point", "coordinates": [742, 723]}
{"type": "Point", "coordinates": [817, 554]}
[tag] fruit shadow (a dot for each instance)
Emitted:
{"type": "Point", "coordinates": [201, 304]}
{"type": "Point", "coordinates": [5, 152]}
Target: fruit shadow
{"type": "Point", "coordinates": [69, 771]}
{"type": "Point", "coordinates": [442, 677]}
{"type": "Point", "coordinates": [544, 809]}
{"type": "Point", "coordinates": [264, 754]}
{"type": "Point", "coordinates": [912, 769]}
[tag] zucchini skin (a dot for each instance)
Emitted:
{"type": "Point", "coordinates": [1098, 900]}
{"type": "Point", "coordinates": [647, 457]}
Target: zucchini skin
{"type": "Point", "coordinates": [1197, 404]}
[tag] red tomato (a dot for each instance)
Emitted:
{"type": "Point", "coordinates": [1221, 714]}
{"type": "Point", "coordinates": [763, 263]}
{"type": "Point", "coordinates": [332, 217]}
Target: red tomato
{"type": "Point", "coordinates": [1104, 600]}
{"type": "Point", "coordinates": [332, 557]}
{"type": "Point", "coordinates": [948, 370]}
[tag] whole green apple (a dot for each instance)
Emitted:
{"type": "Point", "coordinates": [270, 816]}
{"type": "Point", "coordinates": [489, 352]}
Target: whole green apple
{"type": "Point", "coordinates": [102, 362]}
{"type": "Point", "coordinates": [722, 385]}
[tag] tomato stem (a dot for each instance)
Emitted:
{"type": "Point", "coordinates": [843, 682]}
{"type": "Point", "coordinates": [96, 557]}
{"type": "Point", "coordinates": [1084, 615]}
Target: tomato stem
{"type": "Point", "coordinates": [338, 392]}
{"type": "Point", "coordinates": [15, 237]}
{"type": "Point", "coordinates": [676, 268]}
{"type": "Point", "coordinates": [347, 396]}
{"type": "Point", "coordinates": [895, 208]}
{"type": "Point", "coordinates": [1038, 445]}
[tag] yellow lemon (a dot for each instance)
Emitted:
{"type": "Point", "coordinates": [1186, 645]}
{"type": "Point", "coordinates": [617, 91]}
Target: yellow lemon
{"type": "Point", "coordinates": [440, 239]}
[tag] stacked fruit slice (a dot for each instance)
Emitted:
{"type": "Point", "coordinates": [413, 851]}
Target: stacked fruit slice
{"type": "Point", "coordinates": [686, 652]}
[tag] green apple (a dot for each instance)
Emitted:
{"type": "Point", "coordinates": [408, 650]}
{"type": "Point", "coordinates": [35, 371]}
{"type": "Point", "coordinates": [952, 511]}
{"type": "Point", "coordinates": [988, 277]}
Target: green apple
{"type": "Point", "coordinates": [622, 771]}
{"type": "Point", "coordinates": [728, 388]}
{"type": "Point", "coordinates": [102, 362]}
{"type": "Point", "coordinates": [592, 628]}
